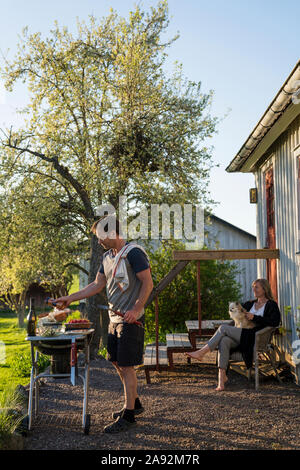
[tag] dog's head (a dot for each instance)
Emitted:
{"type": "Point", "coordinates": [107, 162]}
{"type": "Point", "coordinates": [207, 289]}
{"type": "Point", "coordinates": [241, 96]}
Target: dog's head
{"type": "Point", "coordinates": [235, 309]}
{"type": "Point", "coordinates": [234, 306]}
{"type": "Point", "coordinates": [238, 313]}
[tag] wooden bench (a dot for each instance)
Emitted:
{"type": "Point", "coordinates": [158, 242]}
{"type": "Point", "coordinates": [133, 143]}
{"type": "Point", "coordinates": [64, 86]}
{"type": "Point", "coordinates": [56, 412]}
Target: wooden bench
{"type": "Point", "coordinates": [150, 359]}
{"type": "Point", "coordinates": [177, 343]}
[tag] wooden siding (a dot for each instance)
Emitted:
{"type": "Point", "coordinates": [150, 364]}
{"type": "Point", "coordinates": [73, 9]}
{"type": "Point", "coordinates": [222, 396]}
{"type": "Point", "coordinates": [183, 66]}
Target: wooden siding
{"type": "Point", "coordinates": [282, 156]}
{"type": "Point", "coordinates": [219, 236]}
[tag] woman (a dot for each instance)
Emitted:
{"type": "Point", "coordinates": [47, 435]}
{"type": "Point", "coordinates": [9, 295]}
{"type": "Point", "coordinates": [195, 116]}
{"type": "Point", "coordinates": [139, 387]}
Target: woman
{"type": "Point", "coordinates": [263, 311]}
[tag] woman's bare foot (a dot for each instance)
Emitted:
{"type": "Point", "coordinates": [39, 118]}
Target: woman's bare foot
{"type": "Point", "coordinates": [222, 380]}
{"type": "Point", "coordinates": [221, 387]}
{"type": "Point", "coordinates": [199, 354]}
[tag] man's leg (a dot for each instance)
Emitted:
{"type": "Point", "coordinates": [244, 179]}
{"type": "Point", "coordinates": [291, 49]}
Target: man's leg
{"type": "Point", "coordinates": [130, 386]}
{"type": "Point", "coordinates": [129, 351]}
{"type": "Point", "coordinates": [120, 374]}
{"type": "Point", "coordinates": [136, 404]}
{"type": "Point", "coordinates": [119, 371]}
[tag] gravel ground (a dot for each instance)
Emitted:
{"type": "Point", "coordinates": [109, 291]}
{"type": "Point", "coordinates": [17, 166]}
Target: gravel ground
{"type": "Point", "coordinates": [182, 412]}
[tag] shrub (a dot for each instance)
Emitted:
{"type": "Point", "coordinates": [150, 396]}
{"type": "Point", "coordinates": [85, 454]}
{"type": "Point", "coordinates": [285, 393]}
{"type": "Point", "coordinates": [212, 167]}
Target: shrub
{"type": "Point", "coordinates": [73, 316]}
{"type": "Point", "coordinates": [10, 414]}
{"type": "Point", "coordinates": [21, 363]}
{"type": "Point", "coordinates": [178, 302]}
{"type": "Point", "coordinates": [103, 352]}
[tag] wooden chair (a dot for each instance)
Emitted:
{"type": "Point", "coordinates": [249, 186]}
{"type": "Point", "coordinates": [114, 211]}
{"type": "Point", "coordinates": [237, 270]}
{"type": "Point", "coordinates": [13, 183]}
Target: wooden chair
{"type": "Point", "coordinates": [264, 355]}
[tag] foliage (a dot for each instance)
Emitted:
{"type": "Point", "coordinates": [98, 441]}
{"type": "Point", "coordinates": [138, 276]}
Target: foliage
{"type": "Point", "coordinates": [14, 341]}
{"type": "Point", "coordinates": [103, 352]}
{"type": "Point", "coordinates": [30, 252]}
{"type": "Point", "coordinates": [10, 401]}
{"type": "Point", "coordinates": [73, 316]}
{"type": "Point", "coordinates": [178, 302]}
{"type": "Point", "coordinates": [103, 120]}
{"type": "Point", "coordinates": [290, 317]}
{"type": "Point", "coordinates": [20, 363]}
{"type": "Point", "coordinates": [150, 336]}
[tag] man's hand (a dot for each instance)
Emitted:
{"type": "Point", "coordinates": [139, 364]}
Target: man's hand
{"type": "Point", "coordinates": [131, 316]}
{"type": "Point", "coordinates": [62, 302]}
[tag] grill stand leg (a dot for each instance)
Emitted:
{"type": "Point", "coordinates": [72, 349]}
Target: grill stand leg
{"type": "Point", "coordinates": [32, 387]}
{"type": "Point", "coordinates": [86, 380]}
{"type": "Point", "coordinates": [37, 389]}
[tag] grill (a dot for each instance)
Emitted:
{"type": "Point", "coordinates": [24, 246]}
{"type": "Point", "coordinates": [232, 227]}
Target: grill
{"type": "Point", "coordinates": [63, 351]}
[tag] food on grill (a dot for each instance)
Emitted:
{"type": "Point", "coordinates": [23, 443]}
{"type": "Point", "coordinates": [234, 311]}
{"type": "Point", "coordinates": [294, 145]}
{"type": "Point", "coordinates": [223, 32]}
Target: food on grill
{"type": "Point", "coordinates": [54, 316]}
{"type": "Point", "coordinates": [79, 320]}
{"type": "Point", "coordinates": [62, 314]}
{"type": "Point", "coordinates": [81, 323]}
{"type": "Point", "coordinates": [42, 315]}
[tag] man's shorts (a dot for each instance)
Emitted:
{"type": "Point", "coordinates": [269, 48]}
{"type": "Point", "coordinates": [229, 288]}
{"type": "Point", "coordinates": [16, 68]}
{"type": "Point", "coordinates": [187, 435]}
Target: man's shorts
{"type": "Point", "coordinates": [125, 344]}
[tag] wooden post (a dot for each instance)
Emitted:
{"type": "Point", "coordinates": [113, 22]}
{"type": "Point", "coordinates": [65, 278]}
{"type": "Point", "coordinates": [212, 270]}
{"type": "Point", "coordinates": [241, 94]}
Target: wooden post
{"type": "Point", "coordinates": [156, 332]}
{"type": "Point", "coordinates": [199, 297]}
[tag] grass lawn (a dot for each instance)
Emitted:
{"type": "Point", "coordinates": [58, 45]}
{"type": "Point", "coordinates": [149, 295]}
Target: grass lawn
{"type": "Point", "coordinates": [74, 287]}
{"type": "Point", "coordinates": [14, 342]}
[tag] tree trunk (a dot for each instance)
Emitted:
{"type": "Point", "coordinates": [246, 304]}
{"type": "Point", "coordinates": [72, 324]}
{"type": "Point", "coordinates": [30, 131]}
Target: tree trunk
{"type": "Point", "coordinates": [20, 313]}
{"type": "Point", "coordinates": [104, 321]}
{"type": "Point", "coordinates": [19, 301]}
{"type": "Point", "coordinates": [93, 303]}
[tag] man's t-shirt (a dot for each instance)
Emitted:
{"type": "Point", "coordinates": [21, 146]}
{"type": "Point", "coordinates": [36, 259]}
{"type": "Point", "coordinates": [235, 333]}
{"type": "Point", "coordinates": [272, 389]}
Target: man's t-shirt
{"type": "Point", "coordinates": [137, 259]}
{"type": "Point", "coordinates": [118, 300]}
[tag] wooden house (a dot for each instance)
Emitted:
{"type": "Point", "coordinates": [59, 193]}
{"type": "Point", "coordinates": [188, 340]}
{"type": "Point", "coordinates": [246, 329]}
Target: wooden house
{"type": "Point", "coordinates": [38, 292]}
{"type": "Point", "coordinates": [272, 154]}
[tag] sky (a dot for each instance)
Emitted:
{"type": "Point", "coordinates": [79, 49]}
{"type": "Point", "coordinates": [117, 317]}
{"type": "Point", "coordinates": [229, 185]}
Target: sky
{"type": "Point", "coordinates": [242, 49]}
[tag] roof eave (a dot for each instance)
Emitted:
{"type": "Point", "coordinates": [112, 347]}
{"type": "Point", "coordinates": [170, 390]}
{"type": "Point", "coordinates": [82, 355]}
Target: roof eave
{"type": "Point", "coordinates": [282, 102]}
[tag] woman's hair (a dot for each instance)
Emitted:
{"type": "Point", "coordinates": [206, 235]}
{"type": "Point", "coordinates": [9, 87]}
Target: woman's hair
{"type": "Point", "coordinates": [266, 287]}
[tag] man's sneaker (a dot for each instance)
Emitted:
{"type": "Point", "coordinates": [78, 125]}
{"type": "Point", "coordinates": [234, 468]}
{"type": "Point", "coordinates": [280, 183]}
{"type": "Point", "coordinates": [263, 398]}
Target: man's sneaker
{"type": "Point", "coordinates": [137, 411]}
{"type": "Point", "coordinates": [119, 425]}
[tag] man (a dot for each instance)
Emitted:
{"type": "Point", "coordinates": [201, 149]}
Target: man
{"type": "Point", "coordinates": [125, 272]}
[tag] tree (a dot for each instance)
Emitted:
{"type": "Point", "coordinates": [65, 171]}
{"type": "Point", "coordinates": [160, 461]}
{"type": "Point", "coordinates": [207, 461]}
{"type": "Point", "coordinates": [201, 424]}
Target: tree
{"type": "Point", "coordinates": [31, 252]}
{"type": "Point", "coordinates": [104, 120]}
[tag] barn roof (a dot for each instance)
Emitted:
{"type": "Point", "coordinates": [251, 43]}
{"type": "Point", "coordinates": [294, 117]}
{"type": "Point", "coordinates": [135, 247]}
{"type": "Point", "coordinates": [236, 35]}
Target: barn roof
{"type": "Point", "coordinates": [231, 226]}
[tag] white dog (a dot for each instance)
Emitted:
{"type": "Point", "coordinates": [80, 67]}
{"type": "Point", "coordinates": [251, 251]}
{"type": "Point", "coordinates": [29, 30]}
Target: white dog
{"type": "Point", "coordinates": [238, 314]}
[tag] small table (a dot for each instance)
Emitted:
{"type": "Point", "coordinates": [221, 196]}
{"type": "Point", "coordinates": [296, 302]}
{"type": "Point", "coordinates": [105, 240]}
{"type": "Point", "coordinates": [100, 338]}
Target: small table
{"type": "Point", "coordinates": [208, 328]}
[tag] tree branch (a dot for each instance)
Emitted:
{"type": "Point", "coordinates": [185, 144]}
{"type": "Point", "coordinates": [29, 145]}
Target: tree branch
{"type": "Point", "coordinates": [62, 170]}
{"type": "Point", "coordinates": [77, 266]}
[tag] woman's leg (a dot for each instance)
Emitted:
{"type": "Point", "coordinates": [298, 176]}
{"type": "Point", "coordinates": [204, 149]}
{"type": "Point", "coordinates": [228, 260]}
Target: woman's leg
{"type": "Point", "coordinates": [222, 379]}
{"type": "Point", "coordinates": [223, 330]}
{"type": "Point", "coordinates": [225, 345]}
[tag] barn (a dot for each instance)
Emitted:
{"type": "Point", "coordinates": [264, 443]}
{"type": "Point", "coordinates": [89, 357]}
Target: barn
{"type": "Point", "coordinates": [220, 234]}
{"type": "Point", "coordinates": [272, 154]}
